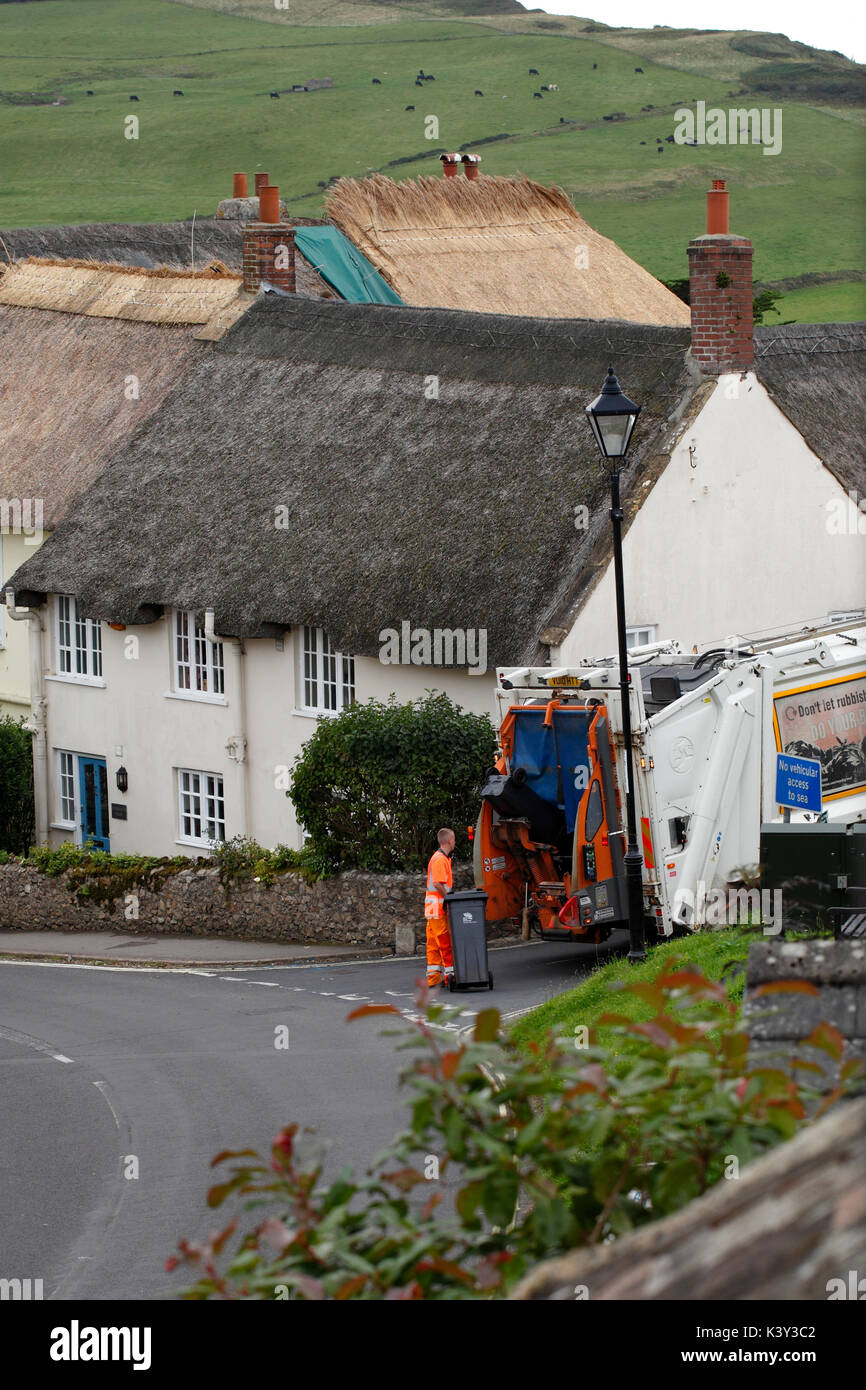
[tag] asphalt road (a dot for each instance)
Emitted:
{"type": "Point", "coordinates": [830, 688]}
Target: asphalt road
{"type": "Point", "coordinates": [99, 1066]}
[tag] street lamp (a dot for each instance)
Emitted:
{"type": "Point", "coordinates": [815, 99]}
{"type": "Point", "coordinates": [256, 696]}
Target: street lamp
{"type": "Point", "coordinates": [612, 419]}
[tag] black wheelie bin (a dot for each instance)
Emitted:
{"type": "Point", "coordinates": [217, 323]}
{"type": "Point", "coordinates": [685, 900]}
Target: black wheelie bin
{"type": "Point", "coordinates": [466, 922]}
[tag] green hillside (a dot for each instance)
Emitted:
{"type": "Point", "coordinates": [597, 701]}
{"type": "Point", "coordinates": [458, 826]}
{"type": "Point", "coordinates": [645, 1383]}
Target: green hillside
{"type": "Point", "coordinates": [71, 162]}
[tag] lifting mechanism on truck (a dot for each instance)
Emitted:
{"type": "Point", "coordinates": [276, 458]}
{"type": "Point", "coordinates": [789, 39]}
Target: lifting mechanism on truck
{"type": "Point", "coordinates": [549, 845]}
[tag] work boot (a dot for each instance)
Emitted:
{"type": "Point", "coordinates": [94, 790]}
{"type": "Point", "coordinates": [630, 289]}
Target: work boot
{"type": "Point", "coordinates": [433, 979]}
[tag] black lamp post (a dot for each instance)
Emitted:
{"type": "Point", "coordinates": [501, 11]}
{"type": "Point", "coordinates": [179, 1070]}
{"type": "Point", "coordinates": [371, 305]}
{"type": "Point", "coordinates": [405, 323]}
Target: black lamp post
{"type": "Point", "coordinates": [612, 418]}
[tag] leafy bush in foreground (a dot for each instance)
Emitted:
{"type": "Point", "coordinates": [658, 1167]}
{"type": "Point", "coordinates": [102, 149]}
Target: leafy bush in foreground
{"type": "Point", "coordinates": [554, 1146]}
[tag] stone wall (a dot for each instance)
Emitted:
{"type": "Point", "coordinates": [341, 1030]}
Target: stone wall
{"type": "Point", "coordinates": [834, 976]}
{"type": "Point", "coordinates": [363, 909]}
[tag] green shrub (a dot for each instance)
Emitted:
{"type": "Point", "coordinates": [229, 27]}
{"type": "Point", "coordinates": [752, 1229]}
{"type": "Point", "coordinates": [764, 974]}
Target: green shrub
{"type": "Point", "coordinates": [374, 784]}
{"type": "Point", "coordinates": [16, 786]}
{"type": "Point", "coordinates": [241, 859]}
{"type": "Point", "coordinates": [555, 1147]}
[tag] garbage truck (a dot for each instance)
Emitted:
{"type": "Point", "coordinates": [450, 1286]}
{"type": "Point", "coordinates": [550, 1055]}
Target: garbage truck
{"type": "Point", "coordinates": [712, 733]}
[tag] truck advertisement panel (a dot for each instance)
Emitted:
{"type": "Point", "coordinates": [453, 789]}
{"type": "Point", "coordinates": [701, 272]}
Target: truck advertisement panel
{"type": "Point", "coordinates": [826, 721]}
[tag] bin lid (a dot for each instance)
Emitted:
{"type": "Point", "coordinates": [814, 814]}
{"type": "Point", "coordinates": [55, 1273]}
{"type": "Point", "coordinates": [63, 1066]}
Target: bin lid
{"type": "Point", "coordinates": [466, 895]}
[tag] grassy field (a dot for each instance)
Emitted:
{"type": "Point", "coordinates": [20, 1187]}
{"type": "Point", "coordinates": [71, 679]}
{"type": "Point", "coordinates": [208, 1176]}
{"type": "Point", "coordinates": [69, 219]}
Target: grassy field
{"type": "Point", "coordinates": [72, 162]}
{"type": "Point", "coordinates": [717, 954]}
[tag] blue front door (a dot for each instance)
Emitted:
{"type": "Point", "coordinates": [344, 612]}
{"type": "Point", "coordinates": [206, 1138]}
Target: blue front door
{"type": "Point", "coordinates": [93, 791]}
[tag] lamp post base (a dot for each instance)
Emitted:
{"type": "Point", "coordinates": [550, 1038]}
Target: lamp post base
{"type": "Point", "coordinates": [634, 885]}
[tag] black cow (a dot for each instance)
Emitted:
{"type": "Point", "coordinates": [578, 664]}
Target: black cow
{"type": "Point", "coordinates": [89, 93]}
{"type": "Point", "coordinates": [377, 82]}
{"type": "Point", "coordinates": [595, 65]}
{"type": "Point", "coordinates": [477, 93]}
{"type": "Point", "coordinates": [409, 108]}
{"type": "Point", "coordinates": [428, 77]}
{"type": "Point", "coordinates": [545, 89]}
{"type": "Point", "coordinates": [538, 95]}
{"type": "Point", "coordinates": [660, 149]}
{"type": "Point", "coordinates": [275, 96]}
{"type": "Point", "coordinates": [533, 72]}
{"type": "Point", "coordinates": [669, 139]}
{"type": "Point", "coordinates": [177, 92]}
{"type": "Point", "coordinates": [638, 69]}
{"type": "Point", "coordinates": [419, 82]}
{"type": "Point", "coordinates": [133, 98]}
{"type": "Point", "coordinates": [643, 142]}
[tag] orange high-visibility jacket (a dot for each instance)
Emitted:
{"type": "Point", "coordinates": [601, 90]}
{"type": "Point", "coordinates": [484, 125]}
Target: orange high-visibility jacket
{"type": "Point", "coordinates": [438, 868]}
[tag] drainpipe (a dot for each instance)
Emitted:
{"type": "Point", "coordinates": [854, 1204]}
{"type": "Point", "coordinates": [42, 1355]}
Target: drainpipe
{"type": "Point", "coordinates": [237, 745]}
{"type": "Point", "coordinates": [37, 723]}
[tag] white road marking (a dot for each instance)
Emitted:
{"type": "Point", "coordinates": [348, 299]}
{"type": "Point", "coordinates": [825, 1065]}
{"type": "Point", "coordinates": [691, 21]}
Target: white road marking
{"type": "Point", "coordinates": [353, 997]}
{"type": "Point", "coordinates": [25, 1040]}
{"type": "Point", "coordinates": [102, 1087]}
{"type": "Point", "coordinates": [117, 969]}
{"type": "Point", "coordinates": [266, 984]}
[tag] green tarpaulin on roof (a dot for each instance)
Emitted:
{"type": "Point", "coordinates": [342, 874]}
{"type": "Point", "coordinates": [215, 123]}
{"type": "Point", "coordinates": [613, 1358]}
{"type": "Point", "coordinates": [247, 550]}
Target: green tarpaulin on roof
{"type": "Point", "coordinates": [343, 266]}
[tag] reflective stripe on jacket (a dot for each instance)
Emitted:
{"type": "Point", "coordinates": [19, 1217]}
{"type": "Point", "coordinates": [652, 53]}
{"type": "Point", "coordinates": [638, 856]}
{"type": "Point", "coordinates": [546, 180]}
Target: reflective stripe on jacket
{"type": "Point", "coordinates": [439, 867]}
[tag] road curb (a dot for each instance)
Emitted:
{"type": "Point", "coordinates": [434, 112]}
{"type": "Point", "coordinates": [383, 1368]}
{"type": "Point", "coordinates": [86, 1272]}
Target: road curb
{"type": "Point", "coordinates": [155, 964]}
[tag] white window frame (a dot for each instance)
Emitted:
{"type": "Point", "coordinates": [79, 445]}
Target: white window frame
{"type": "Point", "coordinates": [206, 793]}
{"type": "Point", "coordinates": [197, 664]}
{"type": "Point", "coordinates": [2, 605]}
{"type": "Point", "coordinates": [327, 677]}
{"type": "Point", "coordinates": [65, 822]}
{"type": "Point", "coordinates": [78, 643]}
{"type": "Point", "coordinates": [633, 633]}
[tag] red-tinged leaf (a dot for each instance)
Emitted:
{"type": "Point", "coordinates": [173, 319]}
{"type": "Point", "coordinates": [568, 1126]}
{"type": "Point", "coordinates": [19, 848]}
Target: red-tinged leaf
{"type": "Point", "coordinates": [687, 978]}
{"type": "Point", "coordinates": [853, 1067]}
{"type": "Point", "coordinates": [351, 1286]}
{"type": "Point", "coordinates": [486, 1026]}
{"type": "Point", "coordinates": [650, 992]}
{"type": "Point", "coordinates": [430, 1205]}
{"type": "Point", "coordinates": [594, 1075]}
{"type": "Point", "coordinates": [217, 1195]}
{"type": "Point", "coordinates": [680, 1032]}
{"type": "Point", "coordinates": [311, 1288]}
{"type": "Point", "coordinates": [828, 1039]}
{"type": "Point", "coordinates": [276, 1234]}
{"type": "Point", "coordinates": [655, 1034]}
{"type": "Point", "coordinates": [171, 1264]}
{"type": "Point", "coordinates": [793, 1106]}
{"type": "Point", "coordinates": [435, 1262]}
{"type": "Point", "coordinates": [613, 1020]}
{"type": "Point", "coordinates": [284, 1143]}
{"type": "Point", "coordinates": [449, 1064]}
{"type": "Point", "coordinates": [367, 1009]}
{"type": "Point", "coordinates": [219, 1240]}
{"type": "Point", "coordinates": [404, 1179]}
{"type": "Point", "coordinates": [788, 987]}
{"type": "Point", "coordinates": [402, 1295]}
{"type": "Point", "coordinates": [802, 1065]}
{"type": "Point", "coordinates": [233, 1153]}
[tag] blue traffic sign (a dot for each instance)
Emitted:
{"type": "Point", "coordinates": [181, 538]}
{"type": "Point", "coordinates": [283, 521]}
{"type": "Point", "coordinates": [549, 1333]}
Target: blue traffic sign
{"type": "Point", "coordinates": [798, 782]}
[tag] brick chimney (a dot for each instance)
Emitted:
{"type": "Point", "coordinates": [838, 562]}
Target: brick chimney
{"type": "Point", "coordinates": [720, 280]}
{"type": "Point", "coordinates": [269, 246]}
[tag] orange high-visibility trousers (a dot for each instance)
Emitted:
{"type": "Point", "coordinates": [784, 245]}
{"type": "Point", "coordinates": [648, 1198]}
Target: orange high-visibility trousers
{"type": "Point", "coordinates": [440, 961]}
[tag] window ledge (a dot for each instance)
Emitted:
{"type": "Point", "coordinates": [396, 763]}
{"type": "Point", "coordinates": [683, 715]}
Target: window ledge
{"type": "Point", "coordinates": [316, 713]}
{"type": "Point", "coordinates": [194, 698]}
{"type": "Point", "coordinates": [197, 844]}
{"type": "Point", "coordinates": [62, 825]}
{"type": "Point", "coordinates": [95, 681]}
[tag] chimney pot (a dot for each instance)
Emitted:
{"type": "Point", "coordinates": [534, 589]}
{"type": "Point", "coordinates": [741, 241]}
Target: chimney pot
{"type": "Point", "coordinates": [470, 165]}
{"type": "Point", "coordinates": [239, 189]}
{"type": "Point", "coordinates": [261, 181]}
{"type": "Point", "coordinates": [717, 209]}
{"type": "Point", "coordinates": [269, 203]}
{"type": "Point", "coordinates": [450, 163]}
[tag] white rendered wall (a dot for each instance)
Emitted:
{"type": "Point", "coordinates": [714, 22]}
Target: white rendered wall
{"type": "Point", "coordinates": [741, 542]}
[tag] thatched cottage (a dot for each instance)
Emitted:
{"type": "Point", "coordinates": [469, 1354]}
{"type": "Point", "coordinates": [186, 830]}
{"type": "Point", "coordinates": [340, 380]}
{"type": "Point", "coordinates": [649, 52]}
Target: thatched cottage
{"type": "Point", "coordinates": [340, 501]}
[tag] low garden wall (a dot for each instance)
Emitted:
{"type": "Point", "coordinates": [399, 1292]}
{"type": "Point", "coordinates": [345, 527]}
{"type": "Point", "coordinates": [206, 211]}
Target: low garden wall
{"type": "Point", "coordinates": [354, 908]}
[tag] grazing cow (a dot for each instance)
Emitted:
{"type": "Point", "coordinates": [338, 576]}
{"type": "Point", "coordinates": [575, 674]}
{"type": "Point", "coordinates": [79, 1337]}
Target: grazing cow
{"type": "Point", "coordinates": [660, 149]}
{"type": "Point", "coordinates": [554, 87]}
{"type": "Point", "coordinates": [595, 65]}
{"type": "Point", "coordinates": [420, 72]}
{"type": "Point", "coordinates": [177, 92]}
{"type": "Point", "coordinates": [428, 77]}
{"type": "Point", "coordinates": [638, 69]}
{"type": "Point", "coordinates": [377, 82]}
{"type": "Point", "coordinates": [669, 139]}
{"type": "Point", "coordinates": [133, 98]}
{"type": "Point", "coordinates": [537, 95]}
{"type": "Point", "coordinates": [419, 82]}
{"type": "Point", "coordinates": [89, 93]}
{"type": "Point", "coordinates": [477, 93]}
{"type": "Point", "coordinates": [545, 89]}
{"type": "Point", "coordinates": [409, 108]}
{"type": "Point", "coordinates": [275, 96]}
{"type": "Point", "coordinates": [643, 142]}
{"type": "Point", "coordinates": [533, 72]}
{"type": "Point", "coordinates": [658, 139]}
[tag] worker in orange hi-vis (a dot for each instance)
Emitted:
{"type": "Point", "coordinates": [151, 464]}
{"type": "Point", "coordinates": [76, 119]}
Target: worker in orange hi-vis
{"type": "Point", "coordinates": [440, 961]}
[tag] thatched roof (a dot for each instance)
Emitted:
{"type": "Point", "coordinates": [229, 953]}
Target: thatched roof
{"type": "Point", "coordinates": [178, 245]}
{"type": "Point", "coordinates": [815, 372]}
{"type": "Point", "coordinates": [456, 512]}
{"type": "Point", "coordinates": [64, 409]}
{"type": "Point", "coordinates": [115, 291]}
{"type": "Point", "coordinates": [497, 245]}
